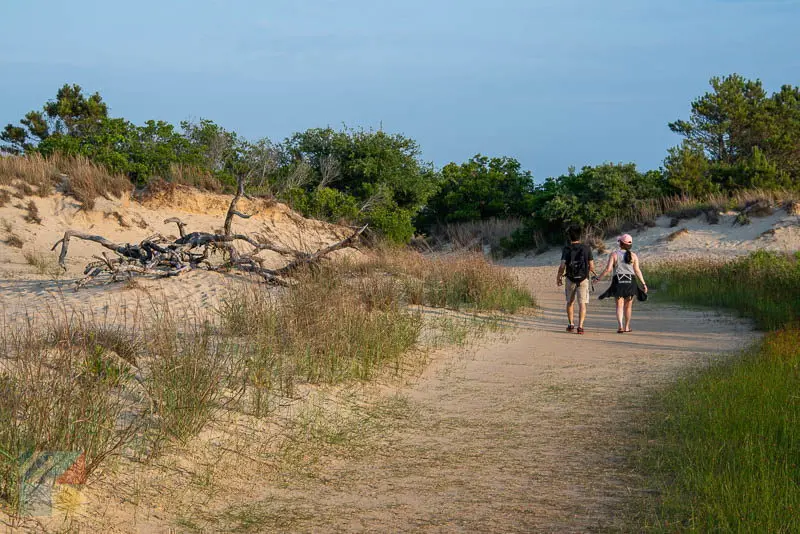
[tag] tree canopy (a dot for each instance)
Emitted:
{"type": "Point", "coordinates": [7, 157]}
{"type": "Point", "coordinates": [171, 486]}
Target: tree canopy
{"type": "Point", "coordinates": [481, 188]}
{"type": "Point", "coordinates": [737, 136]}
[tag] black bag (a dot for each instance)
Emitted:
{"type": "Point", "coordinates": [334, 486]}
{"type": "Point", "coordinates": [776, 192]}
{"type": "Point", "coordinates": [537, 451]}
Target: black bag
{"type": "Point", "coordinates": [577, 264]}
{"type": "Point", "coordinates": [640, 294]}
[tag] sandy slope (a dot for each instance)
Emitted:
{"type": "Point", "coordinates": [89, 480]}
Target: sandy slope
{"type": "Point", "coordinates": [524, 434]}
{"type": "Point", "coordinates": [24, 288]}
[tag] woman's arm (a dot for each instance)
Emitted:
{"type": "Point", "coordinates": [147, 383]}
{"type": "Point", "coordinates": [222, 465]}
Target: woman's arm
{"type": "Point", "coordinates": [638, 272]}
{"type": "Point", "coordinates": [611, 259]}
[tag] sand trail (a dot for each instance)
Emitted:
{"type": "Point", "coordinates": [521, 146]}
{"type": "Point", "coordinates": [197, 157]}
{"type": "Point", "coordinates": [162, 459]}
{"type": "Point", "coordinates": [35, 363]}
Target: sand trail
{"type": "Point", "coordinates": [522, 436]}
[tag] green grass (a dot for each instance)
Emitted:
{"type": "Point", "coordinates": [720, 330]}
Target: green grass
{"type": "Point", "coordinates": [62, 388]}
{"type": "Point", "coordinates": [723, 446]}
{"type": "Point", "coordinates": [345, 322]}
{"type": "Point", "coordinates": [764, 286]}
{"type": "Point", "coordinates": [325, 329]}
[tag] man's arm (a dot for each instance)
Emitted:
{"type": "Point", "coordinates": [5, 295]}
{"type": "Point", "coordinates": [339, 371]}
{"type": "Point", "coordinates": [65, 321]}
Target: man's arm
{"type": "Point", "coordinates": [560, 276]}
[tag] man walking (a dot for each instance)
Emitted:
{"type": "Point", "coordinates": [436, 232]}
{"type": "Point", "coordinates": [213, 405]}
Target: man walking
{"type": "Point", "coordinates": [576, 263]}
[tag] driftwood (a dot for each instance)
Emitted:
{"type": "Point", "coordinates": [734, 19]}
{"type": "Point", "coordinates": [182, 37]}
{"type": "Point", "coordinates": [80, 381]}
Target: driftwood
{"type": "Point", "coordinates": [160, 256]}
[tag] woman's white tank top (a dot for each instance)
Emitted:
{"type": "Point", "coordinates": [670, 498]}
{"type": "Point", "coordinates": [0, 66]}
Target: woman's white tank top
{"type": "Point", "coordinates": [622, 268]}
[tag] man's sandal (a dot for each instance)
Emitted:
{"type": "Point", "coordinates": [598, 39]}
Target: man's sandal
{"type": "Point", "coordinates": [570, 327]}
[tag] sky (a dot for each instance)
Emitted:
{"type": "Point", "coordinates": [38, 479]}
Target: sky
{"type": "Point", "coordinates": [552, 83]}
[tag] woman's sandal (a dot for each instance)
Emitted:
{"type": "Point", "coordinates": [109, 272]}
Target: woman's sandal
{"type": "Point", "coordinates": [620, 331]}
{"type": "Point", "coordinates": [628, 331]}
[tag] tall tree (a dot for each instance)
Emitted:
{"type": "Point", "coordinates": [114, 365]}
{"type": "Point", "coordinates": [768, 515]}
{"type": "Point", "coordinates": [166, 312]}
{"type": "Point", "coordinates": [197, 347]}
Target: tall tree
{"type": "Point", "coordinates": [727, 122]}
{"type": "Point", "coordinates": [71, 114]}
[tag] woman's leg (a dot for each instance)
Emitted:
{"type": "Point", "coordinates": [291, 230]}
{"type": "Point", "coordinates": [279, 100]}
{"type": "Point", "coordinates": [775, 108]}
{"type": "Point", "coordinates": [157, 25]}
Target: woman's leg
{"type": "Point", "coordinates": [628, 312]}
{"type": "Point", "coordinates": [620, 311]}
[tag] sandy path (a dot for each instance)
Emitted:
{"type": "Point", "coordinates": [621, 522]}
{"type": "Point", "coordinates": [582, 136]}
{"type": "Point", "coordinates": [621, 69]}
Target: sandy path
{"type": "Point", "coordinates": [523, 436]}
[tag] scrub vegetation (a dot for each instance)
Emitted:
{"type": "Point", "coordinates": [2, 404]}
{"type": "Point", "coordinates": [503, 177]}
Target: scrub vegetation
{"type": "Point", "coordinates": [136, 388]}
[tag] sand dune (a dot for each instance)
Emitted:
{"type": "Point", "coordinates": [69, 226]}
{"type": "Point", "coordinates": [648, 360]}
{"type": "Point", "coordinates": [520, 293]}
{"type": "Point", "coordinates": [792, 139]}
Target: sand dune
{"type": "Point", "coordinates": [31, 282]}
{"type": "Point", "coordinates": [777, 232]}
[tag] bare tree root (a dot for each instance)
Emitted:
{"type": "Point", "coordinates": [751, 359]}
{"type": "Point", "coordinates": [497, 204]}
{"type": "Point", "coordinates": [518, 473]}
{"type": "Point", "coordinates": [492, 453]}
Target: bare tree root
{"type": "Point", "coordinates": [159, 256]}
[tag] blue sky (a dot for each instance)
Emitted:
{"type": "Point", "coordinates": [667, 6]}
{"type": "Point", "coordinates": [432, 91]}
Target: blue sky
{"type": "Point", "coordinates": [552, 83]}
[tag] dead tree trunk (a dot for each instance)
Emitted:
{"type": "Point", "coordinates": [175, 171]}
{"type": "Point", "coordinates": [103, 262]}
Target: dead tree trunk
{"type": "Point", "coordinates": [159, 256]}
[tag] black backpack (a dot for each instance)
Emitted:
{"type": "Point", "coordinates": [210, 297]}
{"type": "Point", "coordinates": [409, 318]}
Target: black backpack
{"type": "Point", "coordinates": [577, 264]}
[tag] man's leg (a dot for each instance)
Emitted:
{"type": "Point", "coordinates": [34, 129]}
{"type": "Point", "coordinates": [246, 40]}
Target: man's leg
{"type": "Point", "coordinates": [583, 300]}
{"type": "Point", "coordinates": [569, 291]}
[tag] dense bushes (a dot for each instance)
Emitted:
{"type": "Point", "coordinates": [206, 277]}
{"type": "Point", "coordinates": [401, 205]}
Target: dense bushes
{"type": "Point", "coordinates": [480, 189]}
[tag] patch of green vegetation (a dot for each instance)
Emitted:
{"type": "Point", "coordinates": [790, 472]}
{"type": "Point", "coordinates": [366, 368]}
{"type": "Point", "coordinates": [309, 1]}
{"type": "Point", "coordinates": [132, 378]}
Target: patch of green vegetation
{"type": "Point", "coordinates": [724, 446]}
{"type": "Point", "coordinates": [764, 286]}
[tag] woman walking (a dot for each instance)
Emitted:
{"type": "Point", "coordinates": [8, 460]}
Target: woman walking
{"type": "Point", "coordinates": [625, 265]}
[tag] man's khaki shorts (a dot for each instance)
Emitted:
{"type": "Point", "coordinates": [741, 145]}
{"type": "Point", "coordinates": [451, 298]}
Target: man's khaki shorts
{"type": "Point", "coordinates": [579, 292]}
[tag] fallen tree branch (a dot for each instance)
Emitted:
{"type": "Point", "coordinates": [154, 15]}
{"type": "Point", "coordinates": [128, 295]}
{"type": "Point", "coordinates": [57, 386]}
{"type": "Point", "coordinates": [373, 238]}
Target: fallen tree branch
{"type": "Point", "coordinates": [159, 256]}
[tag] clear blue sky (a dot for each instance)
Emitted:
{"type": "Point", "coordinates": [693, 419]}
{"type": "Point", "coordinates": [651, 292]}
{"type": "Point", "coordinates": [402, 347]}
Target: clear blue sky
{"type": "Point", "coordinates": [552, 83]}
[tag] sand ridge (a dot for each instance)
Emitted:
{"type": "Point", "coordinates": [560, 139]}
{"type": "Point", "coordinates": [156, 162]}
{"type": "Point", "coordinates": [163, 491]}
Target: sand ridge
{"type": "Point", "coordinates": [29, 288]}
{"type": "Point", "coordinates": [778, 232]}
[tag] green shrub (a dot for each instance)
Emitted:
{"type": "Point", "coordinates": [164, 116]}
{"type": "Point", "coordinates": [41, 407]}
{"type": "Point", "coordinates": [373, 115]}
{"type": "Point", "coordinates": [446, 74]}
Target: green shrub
{"type": "Point", "coordinates": [395, 224]}
{"type": "Point", "coordinates": [332, 205]}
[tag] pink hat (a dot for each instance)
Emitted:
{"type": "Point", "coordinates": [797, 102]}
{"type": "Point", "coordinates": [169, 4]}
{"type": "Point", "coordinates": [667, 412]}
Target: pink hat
{"type": "Point", "coordinates": [625, 238]}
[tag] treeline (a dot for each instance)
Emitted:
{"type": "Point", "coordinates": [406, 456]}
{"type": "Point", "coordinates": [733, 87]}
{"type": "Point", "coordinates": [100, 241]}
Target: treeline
{"type": "Point", "coordinates": [736, 137]}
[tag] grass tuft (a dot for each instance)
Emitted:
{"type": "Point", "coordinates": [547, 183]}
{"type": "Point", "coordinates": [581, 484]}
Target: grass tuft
{"type": "Point", "coordinates": [677, 234]}
{"type": "Point", "coordinates": [458, 282]}
{"type": "Point", "coordinates": [79, 177]}
{"type": "Point", "coordinates": [44, 264]}
{"type": "Point", "coordinates": [60, 392]}
{"type": "Point", "coordinates": [32, 213]}
{"type": "Point", "coordinates": [15, 241]}
{"type": "Point", "coordinates": [86, 181]}
{"type": "Point", "coordinates": [32, 174]}
{"type": "Point", "coordinates": [323, 330]}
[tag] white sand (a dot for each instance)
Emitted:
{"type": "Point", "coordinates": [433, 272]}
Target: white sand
{"type": "Point", "coordinates": [777, 232]}
{"type": "Point", "coordinates": [25, 288]}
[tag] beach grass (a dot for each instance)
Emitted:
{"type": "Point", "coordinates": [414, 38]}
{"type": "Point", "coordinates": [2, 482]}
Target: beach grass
{"type": "Point", "coordinates": [723, 446]}
{"type": "Point", "coordinates": [90, 384]}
